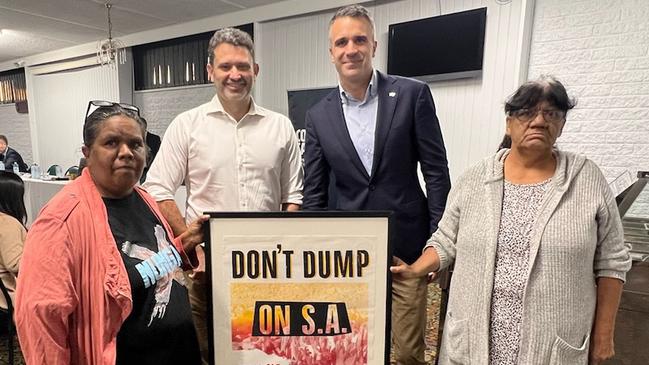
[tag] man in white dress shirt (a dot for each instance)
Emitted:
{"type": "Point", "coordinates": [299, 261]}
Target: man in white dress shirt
{"type": "Point", "coordinates": [232, 154]}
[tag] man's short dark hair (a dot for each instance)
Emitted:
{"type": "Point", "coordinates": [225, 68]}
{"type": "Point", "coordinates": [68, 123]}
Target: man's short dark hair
{"type": "Point", "coordinates": [353, 11]}
{"type": "Point", "coordinates": [4, 138]}
{"type": "Point", "coordinates": [233, 36]}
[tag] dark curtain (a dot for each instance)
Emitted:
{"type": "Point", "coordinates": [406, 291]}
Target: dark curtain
{"type": "Point", "coordinates": [12, 86]}
{"type": "Point", "coordinates": [174, 62]}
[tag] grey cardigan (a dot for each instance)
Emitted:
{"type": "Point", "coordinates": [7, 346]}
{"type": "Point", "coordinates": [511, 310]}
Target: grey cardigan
{"type": "Point", "coordinates": [576, 238]}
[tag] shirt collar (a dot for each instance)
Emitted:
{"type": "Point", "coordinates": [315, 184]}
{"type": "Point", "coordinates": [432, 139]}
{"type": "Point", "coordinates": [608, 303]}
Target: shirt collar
{"type": "Point", "coordinates": [370, 93]}
{"type": "Point", "coordinates": [215, 106]}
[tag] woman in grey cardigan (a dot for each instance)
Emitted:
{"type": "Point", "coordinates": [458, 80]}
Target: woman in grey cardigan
{"type": "Point", "coordinates": [538, 248]}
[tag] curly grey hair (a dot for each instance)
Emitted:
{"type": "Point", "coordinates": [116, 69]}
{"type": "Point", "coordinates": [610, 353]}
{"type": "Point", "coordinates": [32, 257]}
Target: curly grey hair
{"type": "Point", "coordinates": [353, 11]}
{"type": "Point", "coordinates": [233, 36]}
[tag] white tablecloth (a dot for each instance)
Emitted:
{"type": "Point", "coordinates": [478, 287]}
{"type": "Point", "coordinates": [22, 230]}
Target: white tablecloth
{"type": "Point", "coordinates": [39, 192]}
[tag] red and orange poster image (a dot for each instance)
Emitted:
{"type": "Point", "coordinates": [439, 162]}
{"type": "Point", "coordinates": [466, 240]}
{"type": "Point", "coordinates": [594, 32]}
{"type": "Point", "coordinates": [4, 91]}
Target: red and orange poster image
{"type": "Point", "coordinates": [300, 323]}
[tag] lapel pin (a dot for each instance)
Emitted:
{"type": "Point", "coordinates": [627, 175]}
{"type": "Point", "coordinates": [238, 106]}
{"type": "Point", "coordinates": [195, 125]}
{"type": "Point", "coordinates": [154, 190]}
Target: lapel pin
{"type": "Point", "coordinates": [392, 94]}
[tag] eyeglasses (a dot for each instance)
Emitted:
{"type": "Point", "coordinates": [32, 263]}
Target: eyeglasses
{"type": "Point", "coordinates": [526, 115]}
{"type": "Point", "coordinates": [96, 104]}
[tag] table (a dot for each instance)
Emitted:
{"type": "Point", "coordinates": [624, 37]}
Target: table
{"type": "Point", "coordinates": [38, 192]}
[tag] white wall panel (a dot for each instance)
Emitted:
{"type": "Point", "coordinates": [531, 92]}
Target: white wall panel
{"type": "Point", "coordinates": [58, 105]}
{"type": "Point", "coordinates": [293, 54]}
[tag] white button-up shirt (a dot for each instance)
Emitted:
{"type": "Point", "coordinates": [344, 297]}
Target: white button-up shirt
{"type": "Point", "coordinates": [252, 165]}
{"type": "Point", "coordinates": [360, 117]}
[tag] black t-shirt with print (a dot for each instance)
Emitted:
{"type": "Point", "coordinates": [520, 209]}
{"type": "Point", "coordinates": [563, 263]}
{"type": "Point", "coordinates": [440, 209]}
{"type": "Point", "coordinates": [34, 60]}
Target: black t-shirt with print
{"type": "Point", "coordinates": [159, 329]}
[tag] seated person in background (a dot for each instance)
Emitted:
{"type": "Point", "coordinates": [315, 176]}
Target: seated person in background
{"type": "Point", "coordinates": [8, 155]}
{"type": "Point", "coordinates": [153, 144]}
{"type": "Point", "coordinates": [101, 280]}
{"type": "Point", "coordinates": [13, 217]}
{"type": "Point", "coordinates": [82, 165]}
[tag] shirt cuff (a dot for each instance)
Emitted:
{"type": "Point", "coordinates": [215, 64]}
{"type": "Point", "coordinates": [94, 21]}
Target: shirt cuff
{"type": "Point", "coordinates": [293, 199]}
{"type": "Point", "coordinates": [441, 253]}
{"type": "Point", "coordinates": [158, 193]}
{"type": "Point", "coordinates": [611, 274]}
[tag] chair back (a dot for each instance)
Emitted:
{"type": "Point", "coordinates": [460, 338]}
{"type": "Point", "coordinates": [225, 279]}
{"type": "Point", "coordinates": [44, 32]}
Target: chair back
{"type": "Point", "coordinates": [5, 292]}
{"type": "Point", "coordinates": [11, 329]}
{"type": "Point", "coordinates": [72, 172]}
{"type": "Point", "coordinates": [52, 170]}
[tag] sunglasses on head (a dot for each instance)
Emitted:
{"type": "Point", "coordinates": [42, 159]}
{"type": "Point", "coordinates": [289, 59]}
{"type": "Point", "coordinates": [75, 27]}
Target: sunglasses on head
{"type": "Point", "coordinates": [96, 104]}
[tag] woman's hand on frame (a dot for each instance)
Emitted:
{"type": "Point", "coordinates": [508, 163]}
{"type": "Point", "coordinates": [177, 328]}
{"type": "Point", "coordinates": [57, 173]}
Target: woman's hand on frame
{"type": "Point", "coordinates": [193, 236]}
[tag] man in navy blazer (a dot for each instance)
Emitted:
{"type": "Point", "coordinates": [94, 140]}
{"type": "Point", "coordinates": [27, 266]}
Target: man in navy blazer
{"type": "Point", "coordinates": [369, 134]}
{"type": "Point", "coordinates": [8, 156]}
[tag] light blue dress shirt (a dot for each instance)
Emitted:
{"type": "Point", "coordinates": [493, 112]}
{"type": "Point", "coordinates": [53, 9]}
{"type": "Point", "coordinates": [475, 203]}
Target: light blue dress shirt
{"type": "Point", "coordinates": [360, 117]}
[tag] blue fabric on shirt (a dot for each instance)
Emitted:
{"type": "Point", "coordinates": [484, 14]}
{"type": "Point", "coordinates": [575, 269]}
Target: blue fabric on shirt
{"type": "Point", "coordinates": [360, 117]}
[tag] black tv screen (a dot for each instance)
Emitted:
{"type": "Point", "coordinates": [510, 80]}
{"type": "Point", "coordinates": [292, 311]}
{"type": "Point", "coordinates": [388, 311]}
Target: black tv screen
{"type": "Point", "coordinates": [442, 47]}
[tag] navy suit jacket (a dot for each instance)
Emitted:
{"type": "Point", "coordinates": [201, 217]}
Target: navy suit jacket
{"type": "Point", "coordinates": [10, 156]}
{"type": "Point", "coordinates": [407, 132]}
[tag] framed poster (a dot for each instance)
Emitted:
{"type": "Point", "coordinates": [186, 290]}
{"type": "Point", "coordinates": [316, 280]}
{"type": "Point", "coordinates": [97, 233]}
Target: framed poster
{"type": "Point", "coordinates": [299, 288]}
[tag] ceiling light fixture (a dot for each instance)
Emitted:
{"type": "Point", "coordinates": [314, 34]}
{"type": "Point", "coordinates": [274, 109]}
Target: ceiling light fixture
{"type": "Point", "coordinates": [110, 51]}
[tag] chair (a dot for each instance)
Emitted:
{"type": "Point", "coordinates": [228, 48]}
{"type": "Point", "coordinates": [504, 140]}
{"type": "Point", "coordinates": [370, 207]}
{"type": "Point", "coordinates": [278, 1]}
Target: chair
{"type": "Point", "coordinates": [52, 170]}
{"type": "Point", "coordinates": [11, 329]}
{"type": "Point", "coordinates": [72, 172]}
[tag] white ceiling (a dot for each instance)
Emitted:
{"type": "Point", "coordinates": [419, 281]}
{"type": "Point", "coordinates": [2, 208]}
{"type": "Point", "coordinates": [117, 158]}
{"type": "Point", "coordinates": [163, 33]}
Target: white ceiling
{"type": "Point", "coordinates": [32, 27]}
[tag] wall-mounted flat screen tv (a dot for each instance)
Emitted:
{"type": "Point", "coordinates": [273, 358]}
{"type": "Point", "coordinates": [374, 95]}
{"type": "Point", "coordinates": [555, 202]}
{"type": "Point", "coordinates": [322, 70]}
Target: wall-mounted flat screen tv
{"type": "Point", "coordinates": [439, 48]}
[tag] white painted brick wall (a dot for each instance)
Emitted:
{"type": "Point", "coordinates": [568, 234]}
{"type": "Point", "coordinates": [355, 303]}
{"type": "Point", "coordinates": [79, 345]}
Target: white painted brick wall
{"type": "Point", "coordinates": [16, 127]}
{"type": "Point", "coordinates": [160, 107]}
{"type": "Point", "coordinates": [599, 49]}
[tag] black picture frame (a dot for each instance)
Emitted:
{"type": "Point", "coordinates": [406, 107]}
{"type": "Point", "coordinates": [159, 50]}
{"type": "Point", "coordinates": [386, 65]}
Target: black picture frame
{"type": "Point", "coordinates": [309, 215]}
